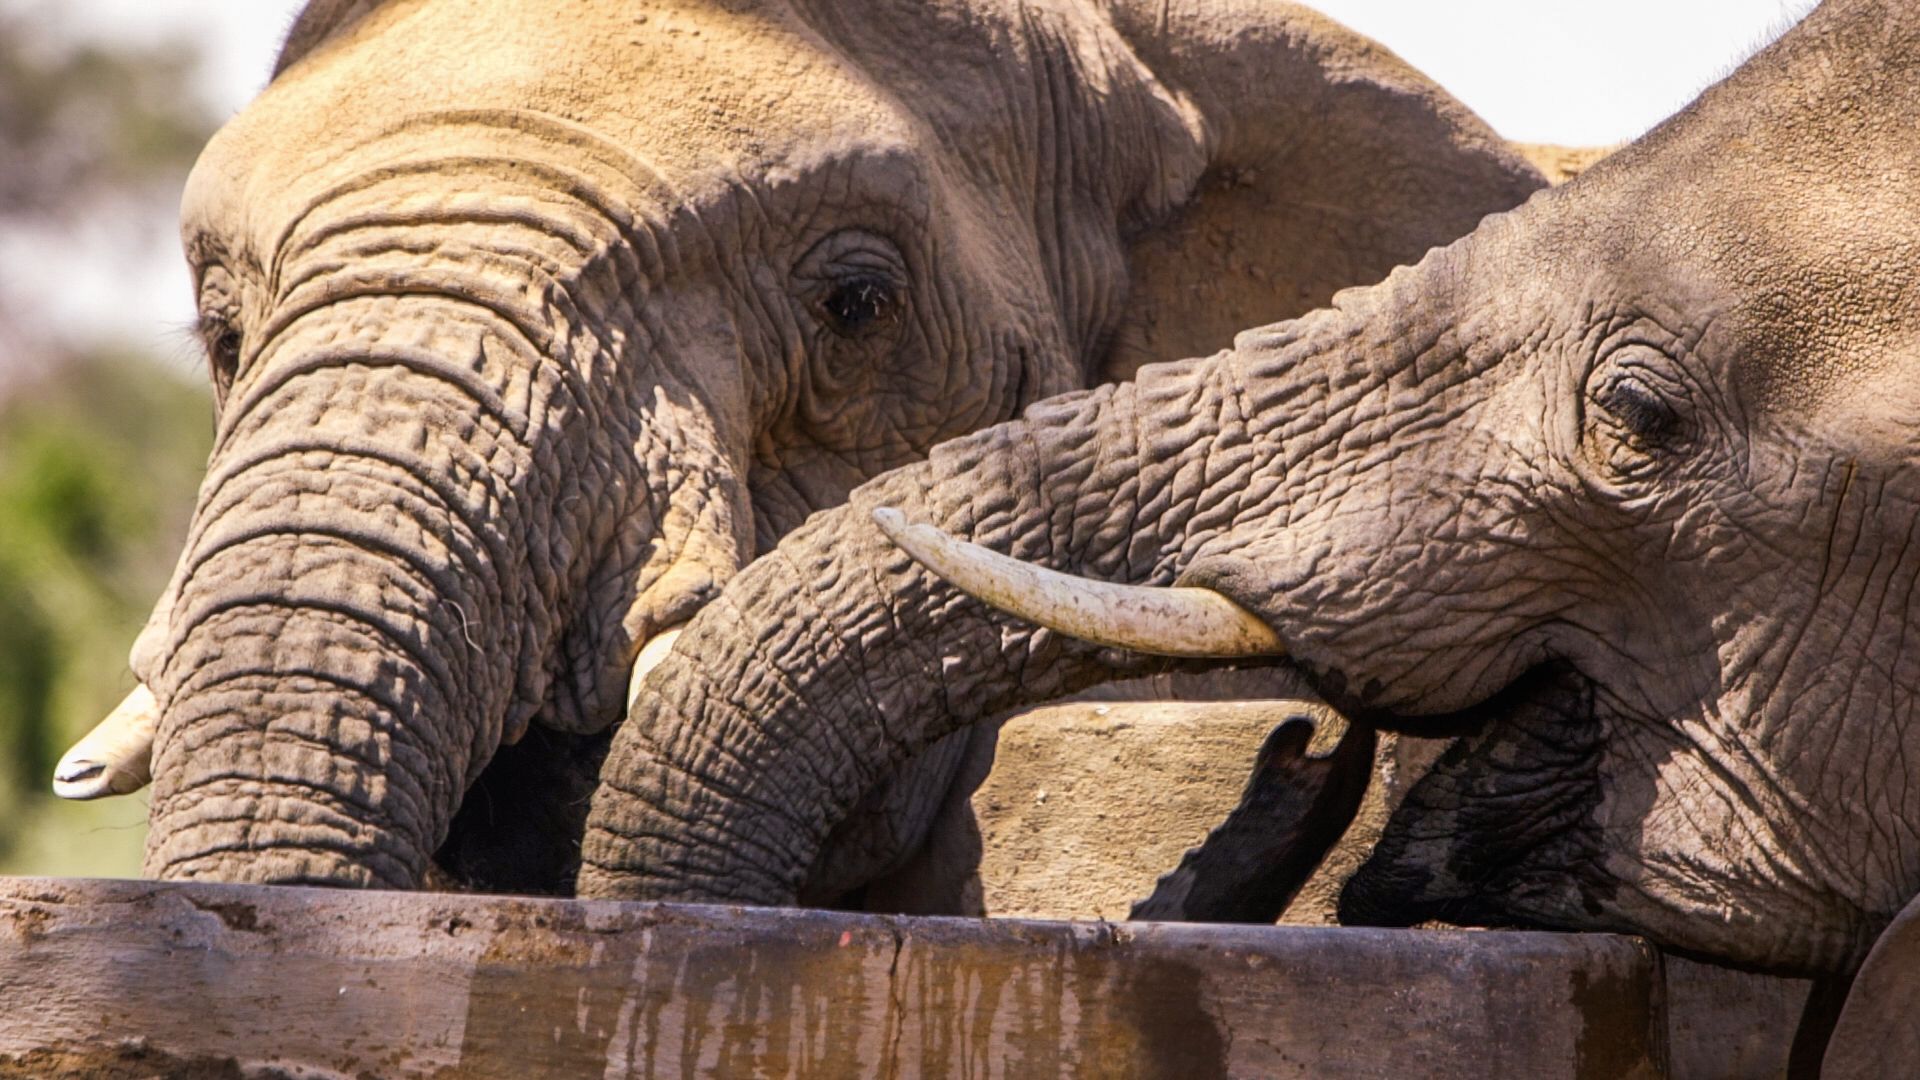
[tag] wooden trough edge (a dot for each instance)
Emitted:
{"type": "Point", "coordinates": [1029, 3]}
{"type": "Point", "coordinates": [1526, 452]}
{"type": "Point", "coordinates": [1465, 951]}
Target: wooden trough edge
{"type": "Point", "coordinates": [133, 978]}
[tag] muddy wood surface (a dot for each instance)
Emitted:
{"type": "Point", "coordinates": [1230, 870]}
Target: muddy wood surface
{"type": "Point", "coordinates": [128, 979]}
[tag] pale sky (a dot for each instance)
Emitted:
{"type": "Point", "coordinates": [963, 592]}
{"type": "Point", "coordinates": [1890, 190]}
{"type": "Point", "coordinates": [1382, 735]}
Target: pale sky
{"type": "Point", "coordinates": [1561, 71]}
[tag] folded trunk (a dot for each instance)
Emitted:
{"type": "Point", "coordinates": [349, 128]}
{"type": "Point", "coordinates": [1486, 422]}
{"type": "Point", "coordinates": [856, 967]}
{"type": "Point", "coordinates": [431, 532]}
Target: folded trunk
{"type": "Point", "coordinates": [343, 653]}
{"type": "Point", "coordinates": [837, 658]}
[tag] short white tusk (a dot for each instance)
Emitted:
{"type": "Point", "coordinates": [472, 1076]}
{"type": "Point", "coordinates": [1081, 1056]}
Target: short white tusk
{"type": "Point", "coordinates": [654, 651]}
{"type": "Point", "coordinates": [1163, 621]}
{"type": "Point", "coordinates": [116, 757]}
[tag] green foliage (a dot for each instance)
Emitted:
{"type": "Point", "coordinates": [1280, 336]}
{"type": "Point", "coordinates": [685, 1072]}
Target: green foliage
{"type": "Point", "coordinates": [98, 467]}
{"type": "Point", "coordinates": [99, 459]}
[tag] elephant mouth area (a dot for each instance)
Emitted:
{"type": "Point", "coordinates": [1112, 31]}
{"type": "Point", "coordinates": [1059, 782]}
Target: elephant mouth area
{"type": "Point", "coordinates": [1495, 774]}
{"type": "Point", "coordinates": [1502, 828]}
{"type": "Point", "coordinates": [1555, 685]}
{"type": "Point", "coordinates": [538, 786]}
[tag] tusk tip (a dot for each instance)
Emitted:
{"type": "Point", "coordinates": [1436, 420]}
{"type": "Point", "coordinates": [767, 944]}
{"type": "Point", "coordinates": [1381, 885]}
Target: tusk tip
{"type": "Point", "coordinates": [891, 521]}
{"type": "Point", "coordinates": [82, 780]}
{"type": "Point", "coordinates": [74, 771]}
{"type": "Point", "coordinates": [115, 758]}
{"type": "Point", "coordinates": [651, 654]}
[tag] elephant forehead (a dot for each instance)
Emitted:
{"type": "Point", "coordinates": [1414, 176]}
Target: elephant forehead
{"type": "Point", "coordinates": [697, 92]}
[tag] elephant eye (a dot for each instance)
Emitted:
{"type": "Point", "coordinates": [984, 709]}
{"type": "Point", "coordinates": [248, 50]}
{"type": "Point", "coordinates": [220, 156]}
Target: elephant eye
{"type": "Point", "coordinates": [856, 304]}
{"type": "Point", "coordinates": [1641, 411]}
{"type": "Point", "coordinates": [223, 343]}
{"type": "Point", "coordinates": [854, 284]}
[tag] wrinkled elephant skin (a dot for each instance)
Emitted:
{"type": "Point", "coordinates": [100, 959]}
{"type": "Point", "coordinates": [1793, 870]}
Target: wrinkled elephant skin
{"type": "Point", "coordinates": [1618, 489]}
{"type": "Point", "coordinates": [531, 323]}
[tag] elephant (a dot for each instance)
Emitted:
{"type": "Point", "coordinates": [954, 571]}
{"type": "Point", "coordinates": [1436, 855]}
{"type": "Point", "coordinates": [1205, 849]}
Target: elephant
{"type": "Point", "coordinates": [1615, 492]}
{"type": "Point", "coordinates": [531, 323]}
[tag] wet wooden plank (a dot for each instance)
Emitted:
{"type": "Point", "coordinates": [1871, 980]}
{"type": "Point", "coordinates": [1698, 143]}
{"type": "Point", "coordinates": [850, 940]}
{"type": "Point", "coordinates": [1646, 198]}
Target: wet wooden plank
{"type": "Point", "coordinates": [116, 978]}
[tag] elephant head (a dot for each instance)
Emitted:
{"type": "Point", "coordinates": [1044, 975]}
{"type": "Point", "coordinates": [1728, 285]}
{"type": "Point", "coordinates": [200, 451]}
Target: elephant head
{"type": "Point", "coordinates": [531, 323]}
{"type": "Point", "coordinates": [1617, 491]}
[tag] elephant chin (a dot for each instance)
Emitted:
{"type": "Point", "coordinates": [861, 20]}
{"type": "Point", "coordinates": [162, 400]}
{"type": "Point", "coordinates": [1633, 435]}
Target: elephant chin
{"type": "Point", "coordinates": [1491, 833]}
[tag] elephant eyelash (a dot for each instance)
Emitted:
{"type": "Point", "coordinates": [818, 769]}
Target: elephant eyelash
{"type": "Point", "coordinates": [857, 304]}
{"type": "Point", "coordinates": [223, 343]}
{"type": "Point", "coordinates": [1639, 414]}
{"type": "Point", "coordinates": [853, 284]}
{"type": "Point", "coordinates": [1645, 414]}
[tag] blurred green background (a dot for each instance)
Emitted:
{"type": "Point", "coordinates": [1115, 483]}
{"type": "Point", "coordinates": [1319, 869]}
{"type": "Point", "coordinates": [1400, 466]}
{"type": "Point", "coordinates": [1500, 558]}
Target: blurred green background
{"type": "Point", "coordinates": [103, 436]}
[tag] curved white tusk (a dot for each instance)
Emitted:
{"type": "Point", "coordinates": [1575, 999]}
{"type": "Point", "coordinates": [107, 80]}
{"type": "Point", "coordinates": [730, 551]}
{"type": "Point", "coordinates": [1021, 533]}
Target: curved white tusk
{"type": "Point", "coordinates": [654, 651]}
{"type": "Point", "coordinates": [116, 757]}
{"type": "Point", "coordinates": [1170, 621]}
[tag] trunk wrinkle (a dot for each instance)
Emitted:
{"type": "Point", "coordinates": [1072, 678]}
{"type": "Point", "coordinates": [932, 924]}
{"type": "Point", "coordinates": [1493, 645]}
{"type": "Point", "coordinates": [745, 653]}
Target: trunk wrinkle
{"type": "Point", "coordinates": [380, 464]}
{"type": "Point", "coordinates": [405, 642]}
{"type": "Point", "coordinates": [441, 580]}
{"type": "Point", "coordinates": [416, 361]}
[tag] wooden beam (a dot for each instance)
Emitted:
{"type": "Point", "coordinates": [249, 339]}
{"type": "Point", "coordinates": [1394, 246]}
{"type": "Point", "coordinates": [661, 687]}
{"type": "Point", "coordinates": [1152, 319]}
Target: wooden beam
{"type": "Point", "coordinates": [127, 978]}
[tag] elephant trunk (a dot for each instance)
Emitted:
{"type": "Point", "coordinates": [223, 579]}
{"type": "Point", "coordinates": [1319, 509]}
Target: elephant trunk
{"type": "Point", "coordinates": [264, 777]}
{"type": "Point", "coordinates": [837, 658]}
{"type": "Point", "coordinates": [342, 654]}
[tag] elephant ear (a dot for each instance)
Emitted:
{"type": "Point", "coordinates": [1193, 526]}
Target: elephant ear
{"type": "Point", "coordinates": [1878, 1033]}
{"type": "Point", "coordinates": [1329, 161]}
